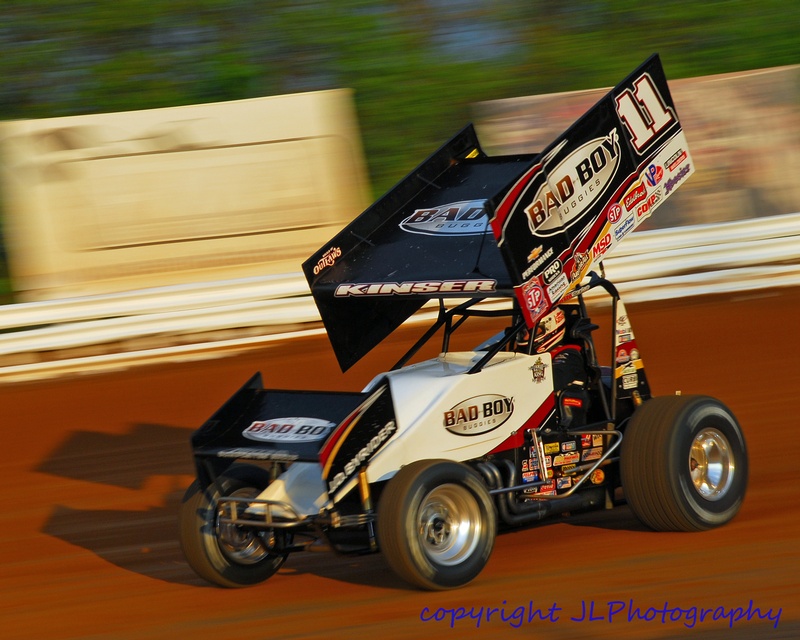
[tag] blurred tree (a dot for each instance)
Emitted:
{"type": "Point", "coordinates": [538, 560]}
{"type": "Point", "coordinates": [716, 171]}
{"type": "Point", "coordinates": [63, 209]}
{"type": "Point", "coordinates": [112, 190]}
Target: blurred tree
{"type": "Point", "coordinates": [416, 65]}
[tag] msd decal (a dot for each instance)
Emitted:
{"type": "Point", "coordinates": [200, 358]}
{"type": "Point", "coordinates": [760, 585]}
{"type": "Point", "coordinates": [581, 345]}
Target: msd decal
{"type": "Point", "coordinates": [466, 218]}
{"type": "Point", "coordinates": [578, 181]}
{"type": "Point", "coordinates": [601, 246]}
{"type": "Point", "coordinates": [289, 430]}
{"type": "Point", "coordinates": [478, 415]}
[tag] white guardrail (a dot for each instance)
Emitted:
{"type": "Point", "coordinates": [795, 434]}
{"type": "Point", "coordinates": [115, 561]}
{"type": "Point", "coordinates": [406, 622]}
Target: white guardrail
{"type": "Point", "coordinates": [47, 339]}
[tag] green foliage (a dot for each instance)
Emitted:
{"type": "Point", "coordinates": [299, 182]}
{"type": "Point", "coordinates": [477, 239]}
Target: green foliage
{"type": "Point", "coordinates": [416, 66]}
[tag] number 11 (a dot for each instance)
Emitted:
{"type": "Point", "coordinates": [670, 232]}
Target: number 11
{"type": "Point", "coordinates": [646, 115]}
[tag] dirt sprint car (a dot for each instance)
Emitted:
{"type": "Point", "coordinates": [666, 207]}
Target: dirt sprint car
{"type": "Point", "coordinates": [432, 458]}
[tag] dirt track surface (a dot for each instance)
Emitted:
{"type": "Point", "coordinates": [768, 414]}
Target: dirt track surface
{"type": "Point", "coordinates": [95, 467]}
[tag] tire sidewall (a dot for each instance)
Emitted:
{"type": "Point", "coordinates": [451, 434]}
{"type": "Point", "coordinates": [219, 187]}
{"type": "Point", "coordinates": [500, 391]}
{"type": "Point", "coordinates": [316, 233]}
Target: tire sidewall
{"type": "Point", "coordinates": [702, 414]}
{"type": "Point", "coordinates": [448, 576]}
{"type": "Point", "coordinates": [199, 536]}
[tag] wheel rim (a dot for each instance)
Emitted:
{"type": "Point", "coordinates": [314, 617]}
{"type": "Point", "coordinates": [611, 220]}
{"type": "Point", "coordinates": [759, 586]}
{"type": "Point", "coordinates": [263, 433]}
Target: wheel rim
{"type": "Point", "coordinates": [711, 464]}
{"type": "Point", "coordinates": [449, 524]}
{"type": "Point", "coordinates": [239, 544]}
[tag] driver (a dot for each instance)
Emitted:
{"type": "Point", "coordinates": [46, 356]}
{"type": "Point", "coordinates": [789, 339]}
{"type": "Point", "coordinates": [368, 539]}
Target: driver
{"type": "Point", "coordinates": [569, 370]}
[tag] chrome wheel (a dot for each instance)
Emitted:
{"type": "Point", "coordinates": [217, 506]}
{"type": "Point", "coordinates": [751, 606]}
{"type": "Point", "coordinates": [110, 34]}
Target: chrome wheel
{"type": "Point", "coordinates": [711, 464]}
{"type": "Point", "coordinates": [238, 544]}
{"type": "Point", "coordinates": [436, 524]}
{"type": "Point", "coordinates": [683, 463]}
{"type": "Point", "coordinates": [449, 524]}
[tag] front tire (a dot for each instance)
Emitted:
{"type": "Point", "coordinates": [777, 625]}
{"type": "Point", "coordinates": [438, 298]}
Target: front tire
{"type": "Point", "coordinates": [436, 524]}
{"type": "Point", "coordinates": [684, 463]}
{"type": "Point", "coordinates": [226, 554]}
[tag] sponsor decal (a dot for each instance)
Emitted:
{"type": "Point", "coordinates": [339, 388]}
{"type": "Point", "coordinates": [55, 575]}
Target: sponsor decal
{"type": "Point", "coordinates": [289, 430]}
{"type": "Point", "coordinates": [552, 447]}
{"type": "Point", "coordinates": [569, 446]}
{"type": "Point", "coordinates": [535, 253]}
{"type": "Point", "coordinates": [572, 402]}
{"type": "Point", "coordinates": [567, 468]}
{"type": "Point", "coordinates": [258, 454]}
{"type": "Point", "coordinates": [622, 230]}
{"type": "Point", "coordinates": [614, 213]}
{"type": "Point", "coordinates": [581, 260]}
{"type": "Point", "coordinates": [675, 160]}
{"type": "Point", "coordinates": [597, 477]}
{"type": "Point", "coordinates": [557, 289]}
{"type": "Point", "coordinates": [592, 454]}
{"type": "Point", "coordinates": [653, 174]}
{"type": "Point", "coordinates": [601, 246]}
{"type": "Point", "coordinates": [478, 415]}
{"type": "Point", "coordinates": [537, 262]}
{"type": "Point", "coordinates": [586, 440]}
{"type": "Point", "coordinates": [634, 354]}
{"type": "Point", "coordinates": [553, 270]}
{"type": "Point", "coordinates": [533, 463]}
{"type": "Point", "coordinates": [413, 288]}
{"type": "Point", "coordinates": [566, 458]}
{"type": "Point", "coordinates": [467, 218]}
{"type": "Point", "coordinates": [578, 181]}
{"type": "Point", "coordinates": [622, 356]}
{"type": "Point", "coordinates": [533, 294]}
{"type": "Point", "coordinates": [564, 483]}
{"type": "Point", "coordinates": [538, 370]}
{"type": "Point", "coordinates": [646, 208]}
{"type": "Point", "coordinates": [634, 196]}
{"type": "Point", "coordinates": [630, 381]}
{"type": "Point", "coordinates": [364, 454]}
{"type": "Point", "coordinates": [547, 489]}
{"type": "Point", "coordinates": [530, 476]}
{"type": "Point", "coordinates": [328, 259]}
{"type": "Point", "coordinates": [673, 182]}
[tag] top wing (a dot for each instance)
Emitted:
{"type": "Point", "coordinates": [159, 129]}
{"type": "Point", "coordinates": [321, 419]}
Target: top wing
{"type": "Point", "coordinates": [464, 224]}
{"type": "Point", "coordinates": [428, 237]}
{"type": "Point", "coordinates": [590, 188]}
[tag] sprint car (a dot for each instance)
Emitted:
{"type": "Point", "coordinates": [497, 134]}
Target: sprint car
{"type": "Point", "coordinates": [433, 457]}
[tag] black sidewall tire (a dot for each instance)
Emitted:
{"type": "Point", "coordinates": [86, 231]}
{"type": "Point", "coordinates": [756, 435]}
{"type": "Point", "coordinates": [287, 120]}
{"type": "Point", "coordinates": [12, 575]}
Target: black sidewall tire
{"type": "Point", "coordinates": [654, 463]}
{"type": "Point", "coordinates": [399, 538]}
{"type": "Point", "coordinates": [709, 413]}
{"type": "Point", "coordinates": [198, 537]}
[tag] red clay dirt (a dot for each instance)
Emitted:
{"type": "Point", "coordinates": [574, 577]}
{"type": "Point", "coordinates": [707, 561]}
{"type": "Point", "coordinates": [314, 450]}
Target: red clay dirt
{"type": "Point", "coordinates": [96, 465]}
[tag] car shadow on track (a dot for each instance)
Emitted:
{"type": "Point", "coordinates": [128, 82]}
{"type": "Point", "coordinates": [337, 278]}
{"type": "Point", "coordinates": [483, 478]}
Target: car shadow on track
{"type": "Point", "coordinates": [149, 468]}
{"type": "Point", "coordinates": [138, 479]}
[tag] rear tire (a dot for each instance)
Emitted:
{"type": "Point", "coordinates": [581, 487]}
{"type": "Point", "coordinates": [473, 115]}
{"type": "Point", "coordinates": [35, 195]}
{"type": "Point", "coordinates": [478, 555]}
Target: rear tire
{"type": "Point", "coordinates": [436, 524]}
{"type": "Point", "coordinates": [225, 554]}
{"type": "Point", "coordinates": [684, 463]}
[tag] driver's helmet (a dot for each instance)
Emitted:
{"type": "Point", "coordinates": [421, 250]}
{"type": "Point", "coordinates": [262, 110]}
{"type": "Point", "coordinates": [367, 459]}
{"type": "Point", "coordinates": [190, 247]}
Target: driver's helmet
{"type": "Point", "coordinates": [549, 331]}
